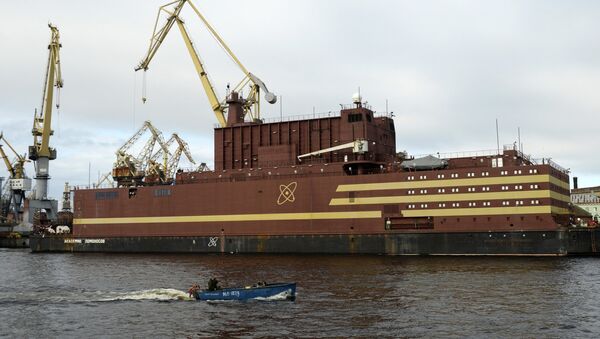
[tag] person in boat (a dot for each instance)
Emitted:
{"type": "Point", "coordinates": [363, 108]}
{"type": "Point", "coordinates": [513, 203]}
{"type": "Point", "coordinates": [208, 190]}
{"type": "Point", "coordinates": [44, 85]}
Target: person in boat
{"type": "Point", "coordinates": [193, 290]}
{"type": "Point", "coordinates": [213, 284]}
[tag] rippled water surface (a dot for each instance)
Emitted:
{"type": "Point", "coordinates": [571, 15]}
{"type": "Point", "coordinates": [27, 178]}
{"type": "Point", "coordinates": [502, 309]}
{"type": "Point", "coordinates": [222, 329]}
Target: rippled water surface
{"type": "Point", "coordinates": [77, 295]}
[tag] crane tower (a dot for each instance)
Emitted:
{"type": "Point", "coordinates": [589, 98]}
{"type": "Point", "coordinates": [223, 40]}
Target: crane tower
{"type": "Point", "coordinates": [41, 152]}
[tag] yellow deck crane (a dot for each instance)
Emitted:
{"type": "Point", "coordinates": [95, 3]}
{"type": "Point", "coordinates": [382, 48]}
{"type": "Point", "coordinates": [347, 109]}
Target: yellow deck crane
{"type": "Point", "coordinates": [182, 148]}
{"type": "Point", "coordinates": [18, 183]}
{"type": "Point", "coordinates": [106, 180]}
{"type": "Point", "coordinates": [158, 174]}
{"type": "Point", "coordinates": [231, 110]}
{"type": "Point", "coordinates": [41, 152]}
{"type": "Point", "coordinates": [129, 169]}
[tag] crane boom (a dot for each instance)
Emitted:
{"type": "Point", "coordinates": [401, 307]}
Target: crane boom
{"type": "Point", "coordinates": [127, 145]}
{"type": "Point", "coordinates": [18, 183]}
{"type": "Point", "coordinates": [250, 105]}
{"type": "Point", "coordinates": [174, 161]}
{"type": "Point", "coordinates": [42, 124]}
{"type": "Point", "coordinates": [185, 148]}
{"type": "Point", "coordinates": [9, 166]}
{"type": "Point", "coordinates": [219, 40]}
{"type": "Point", "coordinates": [208, 88]}
{"type": "Point", "coordinates": [158, 36]}
{"type": "Point", "coordinates": [146, 153]}
{"type": "Point", "coordinates": [130, 169]}
{"type": "Point", "coordinates": [18, 170]}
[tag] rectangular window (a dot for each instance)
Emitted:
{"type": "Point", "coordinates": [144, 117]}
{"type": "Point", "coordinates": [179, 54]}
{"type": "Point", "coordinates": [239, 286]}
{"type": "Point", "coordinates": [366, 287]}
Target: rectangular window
{"type": "Point", "coordinates": [354, 117]}
{"type": "Point", "coordinates": [162, 192]}
{"type": "Point", "coordinates": [107, 195]}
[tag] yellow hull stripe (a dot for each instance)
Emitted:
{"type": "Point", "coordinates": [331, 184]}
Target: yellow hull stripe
{"type": "Point", "coordinates": [560, 183]}
{"type": "Point", "coordinates": [517, 179]}
{"type": "Point", "coordinates": [231, 217]}
{"type": "Point", "coordinates": [449, 197]}
{"type": "Point", "coordinates": [485, 211]}
{"type": "Point", "coordinates": [560, 210]}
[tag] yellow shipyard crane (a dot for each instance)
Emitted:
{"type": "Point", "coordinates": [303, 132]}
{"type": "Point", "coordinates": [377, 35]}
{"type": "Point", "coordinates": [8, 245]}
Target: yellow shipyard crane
{"type": "Point", "coordinates": [232, 109]}
{"type": "Point", "coordinates": [182, 147]}
{"type": "Point", "coordinates": [17, 171]}
{"type": "Point", "coordinates": [106, 180]}
{"type": "Point", "coordinates": [166, 174]}
{"type": "Point", "coordinates": [41, 152]}
{"type": "Point", "coordinates": [18, 183]}
{"type": "Point", "coordinates": [9, 166]}
{"type": "Point", "coordinates": [130, 169]}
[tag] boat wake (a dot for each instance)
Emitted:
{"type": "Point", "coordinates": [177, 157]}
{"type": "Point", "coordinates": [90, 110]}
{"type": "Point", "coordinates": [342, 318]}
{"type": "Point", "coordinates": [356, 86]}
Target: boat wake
{"type": "Point", "coordinates": [279, 296]}
{"type": "Point", "coordinates": [156, 294]}
{"type": "Point", "coordinates": [159, 294]}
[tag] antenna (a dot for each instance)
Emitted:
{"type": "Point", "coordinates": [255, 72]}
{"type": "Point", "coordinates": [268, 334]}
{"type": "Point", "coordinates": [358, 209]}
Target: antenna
{"type": "Point", "coordinates": [386, 107]}
{"type": "Point", "coordinates": [497, 137]}
{"type": "Point", "coordinates": [519, 138]}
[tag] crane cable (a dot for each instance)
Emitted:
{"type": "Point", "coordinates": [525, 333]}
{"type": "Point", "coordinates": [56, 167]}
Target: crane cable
{"type": "Point", "coordinates": [58, 110]}
{"type": "Point", "coordinates": [144, 98]}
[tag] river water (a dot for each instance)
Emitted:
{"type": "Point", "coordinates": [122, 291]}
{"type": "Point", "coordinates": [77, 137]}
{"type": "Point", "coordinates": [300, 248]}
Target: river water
{"type": "Point", "coordinates": [120, 295]}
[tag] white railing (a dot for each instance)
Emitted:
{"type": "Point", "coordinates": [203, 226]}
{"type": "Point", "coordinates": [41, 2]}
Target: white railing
{"type": "Point", "coordinates": [316, 115]}
{"type": "Point", "coordinates": [466, 154]}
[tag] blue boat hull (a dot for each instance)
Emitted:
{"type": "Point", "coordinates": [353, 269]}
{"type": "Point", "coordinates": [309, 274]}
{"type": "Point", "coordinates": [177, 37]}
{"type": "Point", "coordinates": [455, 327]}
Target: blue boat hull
{"type": "Point", "coordinates": [279, 291]}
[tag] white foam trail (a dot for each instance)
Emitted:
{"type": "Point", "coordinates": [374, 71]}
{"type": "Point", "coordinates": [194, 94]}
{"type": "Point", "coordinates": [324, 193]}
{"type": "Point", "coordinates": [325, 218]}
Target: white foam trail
{"type": "Point", "coordinates": [279, 296]}
{"type": "Point", "coordinates": [161, 294]}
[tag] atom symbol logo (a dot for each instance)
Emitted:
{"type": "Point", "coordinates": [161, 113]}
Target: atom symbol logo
{"type": "Point", "coordinates": [286, 193]}
{"type": "Point", "coordinates": [212, 242]}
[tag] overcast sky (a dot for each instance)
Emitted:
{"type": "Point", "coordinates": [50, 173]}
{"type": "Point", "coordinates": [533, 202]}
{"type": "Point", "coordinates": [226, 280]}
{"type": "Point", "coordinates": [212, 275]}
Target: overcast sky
{"type": "Point", "coordinates": [449, 69]}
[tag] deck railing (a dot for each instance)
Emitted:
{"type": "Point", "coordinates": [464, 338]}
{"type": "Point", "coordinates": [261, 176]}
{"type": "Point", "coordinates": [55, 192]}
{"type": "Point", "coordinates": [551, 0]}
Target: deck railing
{"type": "Point", "coordinates": [316, 115]}
{"type": "Point", "coordinates": [466, 154]}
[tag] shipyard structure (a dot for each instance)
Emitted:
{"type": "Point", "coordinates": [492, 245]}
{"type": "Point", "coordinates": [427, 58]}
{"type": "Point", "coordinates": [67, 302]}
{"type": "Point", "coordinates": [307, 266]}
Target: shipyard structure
{"type": "Point", "coordinates": [322, 184]}
{"type": "Point", "coordinates": [25, 209]}
{"type": "Point", "coordinates": [335, 185]}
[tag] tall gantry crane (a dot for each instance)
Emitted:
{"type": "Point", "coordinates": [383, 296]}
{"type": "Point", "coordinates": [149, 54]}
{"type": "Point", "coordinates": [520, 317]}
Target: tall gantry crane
{"type": "Point", "coordinates": [41, 152]}
{"type": "Point", "coordinates": [233, 108]}
{"type": "Point", "coordinates": [18, 183]}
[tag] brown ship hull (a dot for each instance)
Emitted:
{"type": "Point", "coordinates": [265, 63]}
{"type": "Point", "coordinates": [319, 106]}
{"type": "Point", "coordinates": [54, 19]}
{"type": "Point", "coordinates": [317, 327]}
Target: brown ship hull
{"type": "Point", "coordinates": [334, 185]}
{"type": "Point", "coordinates": [530, 243]}
{"type": "Point", "coordinates": [387, 213]}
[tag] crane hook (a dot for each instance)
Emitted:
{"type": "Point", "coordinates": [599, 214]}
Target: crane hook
{"type": "Point", "coordinates": [144, 98]}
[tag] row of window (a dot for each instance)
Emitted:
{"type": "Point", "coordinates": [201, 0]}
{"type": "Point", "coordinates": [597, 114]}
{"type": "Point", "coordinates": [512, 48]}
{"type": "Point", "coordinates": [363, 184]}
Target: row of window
{"type": "Point", "coordinates": [520, 187]}
{"type": "Point", "coordinates": [472, 189]}
{"type": "Point", "coordinates": [470, 174]}
{"type": "Point", "coordinates": [162, 192]}
{"type": "Point", "coordinates": [531, 171]}
{"type": "Point", "coordinates": [107, 195]}
{"type": "Point", "coordinates": [474, 204]}
{"type": "Point", "coordinates": [110, 195]}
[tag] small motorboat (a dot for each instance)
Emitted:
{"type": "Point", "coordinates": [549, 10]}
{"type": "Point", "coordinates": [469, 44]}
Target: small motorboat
{"type": "Point", "coordinates": [259, 291]}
